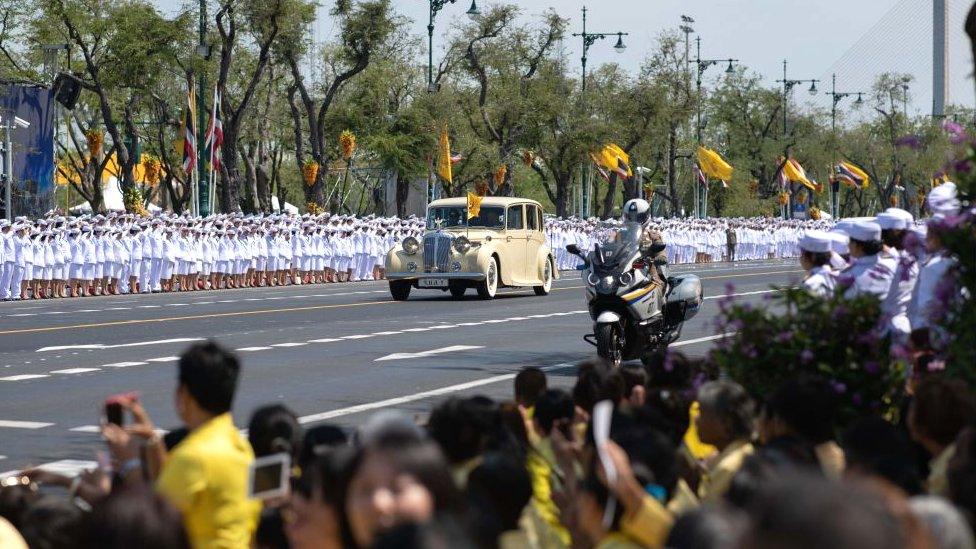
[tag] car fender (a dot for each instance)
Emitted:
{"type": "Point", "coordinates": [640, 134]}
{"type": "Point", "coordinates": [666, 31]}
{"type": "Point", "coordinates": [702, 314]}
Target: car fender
{"type": "Point", "coordinates": [397, 259]}
{"type": "Point", "coordinates": [545, 254]}
{"type": "Point", "coordinates": [608, 317]}
{"type": "Point", "coordinates": [485, 251]}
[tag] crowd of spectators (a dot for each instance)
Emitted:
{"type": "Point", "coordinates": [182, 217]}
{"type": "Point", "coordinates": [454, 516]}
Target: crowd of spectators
{"type": "Point", "coordinates": [685, 459]}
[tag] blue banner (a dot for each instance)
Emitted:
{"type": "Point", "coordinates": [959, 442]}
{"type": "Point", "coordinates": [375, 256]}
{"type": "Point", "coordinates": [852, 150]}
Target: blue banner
{"type": "Point", "coordinates": [33, 147]}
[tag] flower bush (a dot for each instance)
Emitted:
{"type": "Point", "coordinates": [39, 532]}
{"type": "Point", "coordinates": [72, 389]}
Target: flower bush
{"type": "Point", "coordinates": [958, 235]}
{"type": "Point", "coordinates": [795, 333]}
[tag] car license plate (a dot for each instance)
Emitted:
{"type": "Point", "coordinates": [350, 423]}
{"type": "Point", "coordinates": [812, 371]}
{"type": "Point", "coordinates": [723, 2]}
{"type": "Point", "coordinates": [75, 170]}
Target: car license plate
{"type": "Point", "coordinates": [433, 283]}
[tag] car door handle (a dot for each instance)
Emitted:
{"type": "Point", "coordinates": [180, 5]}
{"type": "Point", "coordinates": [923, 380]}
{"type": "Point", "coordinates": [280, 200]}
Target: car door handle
{"type": "Point", "coordinates": [508, 239]}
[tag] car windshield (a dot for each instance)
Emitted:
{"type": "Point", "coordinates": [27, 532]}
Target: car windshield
{"type": "Point", "coordinates": [490, 217]}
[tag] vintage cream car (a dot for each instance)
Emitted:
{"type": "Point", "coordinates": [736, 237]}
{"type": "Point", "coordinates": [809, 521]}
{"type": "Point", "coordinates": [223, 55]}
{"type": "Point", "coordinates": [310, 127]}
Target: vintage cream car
{"type": "Point", "coordinates": [504, 246]}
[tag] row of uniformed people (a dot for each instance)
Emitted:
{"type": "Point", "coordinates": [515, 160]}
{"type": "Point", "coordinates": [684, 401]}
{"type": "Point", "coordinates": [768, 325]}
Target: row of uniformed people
{"type": "Point", "coordinates": [56, 261]}
{"type": "Point", "coordinates": [891, 257]}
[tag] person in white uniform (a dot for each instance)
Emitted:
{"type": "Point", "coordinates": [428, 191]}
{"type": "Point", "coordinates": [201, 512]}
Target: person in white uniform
{"type": "Point", "coordinates": [870, 273]}
{"type": "Point", "coordinates": [815, 260]}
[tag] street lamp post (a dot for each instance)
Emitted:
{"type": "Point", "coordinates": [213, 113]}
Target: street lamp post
{"type": "Point", "coordinates": [202, 203]}
{"type": "Point", "coordinates": [787, 88]}
{"type": "Point", "coordinates": [435, 6]}
{"type": "Point", "coordinates": [701, 194]}
{"type": "Point", "coordinates": [836, 98]}
{"type": "Point", "coordinates": [590, 38]}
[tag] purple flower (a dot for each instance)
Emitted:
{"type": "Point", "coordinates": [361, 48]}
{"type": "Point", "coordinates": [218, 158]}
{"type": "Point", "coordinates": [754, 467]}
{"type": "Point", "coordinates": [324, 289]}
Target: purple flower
{"type": "Point", "coordinates": [807, 356]}
{"type": "Point", "coordinates": [838, 313]}
{"type": "Point", "coordinates": [866, 339]}
{"type": "Point", "coordinates": [752, 353]}
{"type": "Point", "coordinates": [838, 387]}
{"type": "Point", "coordinates": [936, 365]}
{"type": "Point", "coordinates": [900, 352]}
{"type": "Point", "coordinates": [857, 399]}
{"type": "Point", "coordinates": [783, 337]}
{"type": "Point", "coordinates": [668, 362]}
{"type": "Point", "coordinates": [963, 166]}
{"type": "Point", "coordinates": [872, 367]}
{"type": "Point", "coordinates": [736, 325]}
{"type": "Point", "coordinates": [912, 142]}
{"type": "Point", "coordinates": [957, 134]}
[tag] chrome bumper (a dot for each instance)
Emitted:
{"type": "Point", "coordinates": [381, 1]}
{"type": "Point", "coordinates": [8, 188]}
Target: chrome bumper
{"type": "Point", "coordinates": [449, 276]}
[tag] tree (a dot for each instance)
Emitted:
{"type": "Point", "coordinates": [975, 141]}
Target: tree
{"type": "Point", "coordinates": [126, 46]}
{"type": "Point", "coordinates": [364, 28]}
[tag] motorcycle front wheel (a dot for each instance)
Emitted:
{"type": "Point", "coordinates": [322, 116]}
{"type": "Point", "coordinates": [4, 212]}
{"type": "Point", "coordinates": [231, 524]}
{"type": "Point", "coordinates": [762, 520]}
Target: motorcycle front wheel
{"type": "Point", "coordinates": [609, 343]}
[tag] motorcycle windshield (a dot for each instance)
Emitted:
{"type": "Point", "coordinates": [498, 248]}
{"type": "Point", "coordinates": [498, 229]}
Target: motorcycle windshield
{"type": "Point", "coordinates": [616, 247]}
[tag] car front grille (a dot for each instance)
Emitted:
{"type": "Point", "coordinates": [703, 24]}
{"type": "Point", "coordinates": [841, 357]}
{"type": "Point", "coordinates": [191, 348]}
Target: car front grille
{"type": "Point", "coordinates": [437, 252]}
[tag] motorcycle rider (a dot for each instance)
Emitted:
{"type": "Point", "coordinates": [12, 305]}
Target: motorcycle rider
{"type": "Point", "coordinates": [638, 210]}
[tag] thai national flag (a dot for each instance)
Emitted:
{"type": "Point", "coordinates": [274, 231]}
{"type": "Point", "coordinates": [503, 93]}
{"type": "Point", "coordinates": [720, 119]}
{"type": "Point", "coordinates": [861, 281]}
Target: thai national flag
{"type": "Point", "coordinates": [190, 133]}
{"type": "Point", "coordinates": [215, 133]}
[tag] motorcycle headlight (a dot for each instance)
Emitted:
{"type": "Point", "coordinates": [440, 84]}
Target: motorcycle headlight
{"type": "Point", "coordinates": [462, 245]}
{"type": "Point", "coordinates": [592, 279]}
{"type": "Point", "coordinates": [625, 279]}
{"type": "Point", "coordinates": [411, 245]}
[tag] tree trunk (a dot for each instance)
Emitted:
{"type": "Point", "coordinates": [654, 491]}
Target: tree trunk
{"type": "Point", "coordinates": [563, 182]}
{"type": "Point", "coordinates": [672, 169]}
{"type": "Point", "coordinates": [230, 190]}
{"type": "Point", "coordinates": [402, 193]}
{"type": "Point", "coordinates": [609, 196]}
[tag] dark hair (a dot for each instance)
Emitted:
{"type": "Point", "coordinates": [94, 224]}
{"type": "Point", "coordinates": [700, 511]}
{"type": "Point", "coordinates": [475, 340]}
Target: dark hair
{"type": "Point", "coordinates": [869, 247]}
{"type": "Point", "coordinates": [807, 406]}
{"type": "Point", "coordinates": [443, 532]}
{"type": "Point", "coordinates": [136, 518]}
{"type": "Point", "coordinates": [652, 456]}
{"type": "Point", "coordinates": [671, 406]}
{"type": "Point", "coordinates": [941, 408]}
{"type": "Point", "coordinates": [52, 523]}
{"type": "Point", "coordinates": [530, 382]}
{"type": "Point", "coordinates": [732, 404]}
{"type": "Point", "coordinates": [421, 459]}
{"type": "Point", "coordinates": [14, 502]}
{"type": "Point", "coordinates": [273, 429]}
{"type": "Point", "coordinates": [553, 405]}
{"type": "Point", "coordinates": [804, 512]}
{"type": "Point", "coordinates": [461, 426]}
{"type": "Point", "coordinates": [893, 238]}
{"type": "Point", "coordinates": [875, 447]}
{"type": "Point", "coordinates": [817, 259]}
{"type": "Point", "coordinates": [632, 376]}
{"type": "Point", "coordinates": [594, 383]}
{"type": "Point", "coordinates": [498, 491]}
{"type": "Point", "coordinates": [592, 484]}
{"type": "Point", "coordinates": [320, 439]}
{"type": "Point", "coordinates": [711, 527]}
{"type": "Point", "coordinates": [270, 533]}
{"type": "Point", "coordinates": [209, 372]}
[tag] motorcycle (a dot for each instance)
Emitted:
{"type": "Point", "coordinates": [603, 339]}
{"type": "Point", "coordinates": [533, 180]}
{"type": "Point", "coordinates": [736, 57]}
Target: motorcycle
{"type": "Point", "coordinates": [634, 315]}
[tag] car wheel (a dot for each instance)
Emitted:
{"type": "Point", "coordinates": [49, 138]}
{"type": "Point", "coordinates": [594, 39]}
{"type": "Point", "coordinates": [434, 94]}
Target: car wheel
{"type": "Point", "coordinates": [489, 286]}
{"type": "Point", "coordinates": [400, 290]}
{"type": "Point", "coordinates": [609, 344]}
{"type": "Point", "coordinates": [457, 290]}
{"type": "Point", "coordinates": [546, 280]}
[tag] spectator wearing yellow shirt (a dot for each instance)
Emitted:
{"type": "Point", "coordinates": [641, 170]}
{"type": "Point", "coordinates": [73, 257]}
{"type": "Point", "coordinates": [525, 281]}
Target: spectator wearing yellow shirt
{"type": "Point", "coordinates": [205, 475]}
{"type": "Point", "coordinates": [727, 422]}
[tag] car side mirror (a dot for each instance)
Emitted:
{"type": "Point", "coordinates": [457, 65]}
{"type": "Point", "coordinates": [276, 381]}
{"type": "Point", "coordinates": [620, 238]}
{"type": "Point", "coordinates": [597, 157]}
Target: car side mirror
{"type": "Point", "coordinates": [573, 249]}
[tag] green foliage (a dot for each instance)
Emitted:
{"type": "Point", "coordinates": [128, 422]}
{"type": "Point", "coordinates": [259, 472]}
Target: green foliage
{"type": "Point", "coordinates": [796, 334]}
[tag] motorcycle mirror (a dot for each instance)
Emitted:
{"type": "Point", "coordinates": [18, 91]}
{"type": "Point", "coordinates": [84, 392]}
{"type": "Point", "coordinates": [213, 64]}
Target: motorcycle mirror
{"type": "Point", "coordinates": [573, 249]}
{"type": "Point", "coordinates": [661, 261]}
{"type": "Point", "coordinates": [654, 249]}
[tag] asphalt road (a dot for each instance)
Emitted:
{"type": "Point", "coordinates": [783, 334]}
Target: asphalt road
{"type": "Point", "coordinates": [332, 353]}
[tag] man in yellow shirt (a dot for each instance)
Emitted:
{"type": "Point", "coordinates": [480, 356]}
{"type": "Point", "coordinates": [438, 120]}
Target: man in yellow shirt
{"type": "Point", "coordinates": [205, 475]}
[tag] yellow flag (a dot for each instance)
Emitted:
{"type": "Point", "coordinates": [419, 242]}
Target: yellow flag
{"type": "Point", "coordinates": [854, 170]}
{"type": "Point", "coordinates": [444, 157]}
{"type": "Point", "coordinates": [621, 156]}
{"type": "Point", "coordinates": [795, 173]}
{"type": "Point", "coordinates": [713, 165]}
{"type": "Point", "coordinates": [474, 205]}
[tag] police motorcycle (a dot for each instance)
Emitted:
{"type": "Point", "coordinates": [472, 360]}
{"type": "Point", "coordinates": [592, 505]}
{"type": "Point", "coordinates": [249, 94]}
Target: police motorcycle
{"type": "Point", "coordinates": [634, 315]}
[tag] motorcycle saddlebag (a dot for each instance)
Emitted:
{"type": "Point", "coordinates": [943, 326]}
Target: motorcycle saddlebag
{"type": "Point", "coordinates": [684, 298]}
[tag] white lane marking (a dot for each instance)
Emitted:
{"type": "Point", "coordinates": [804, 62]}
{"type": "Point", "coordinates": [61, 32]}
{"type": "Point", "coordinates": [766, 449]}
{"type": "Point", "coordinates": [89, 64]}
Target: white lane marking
{"type": "Point", "coordinates": [175, 304]}
{"type": "Point", "coordinates": [726, 296]}
{"type": "Point", "coordinates": [117, 309]}
{"type": "Point", "coordinates": [163, 359]}
{"type": "Point", "coordinates": [87, 311]}
{"type": "Point", "coordinates": [324, 340]}
{"type": "Point", "coordinates": [414, 330]}
{"type": "Point", "coordinates": [227, 301]}
{"type": "Point", "coordinates": [451, 349]}
{"type": "Point", "coordinates": [149, 306]}
{"type": "Point", "coordinates": [66, 467]}
{"type": "Point", "coordinates": [3, 457]}
{"type": "Point", "coordinates": [86, 429]}
{"type": "Point", "coordinates": [701, 339]}
{"type": "Point", "coordinates": [251, 349]}
{"type": "Point", "coordinates": [416, 396]}
{"type": "Point", "coordinates": [23, 377]}
{"type": "Point", "coordinates": [464, 324]}
{"type": "Point", "coordinates": [384, 333]}
{"type": "Point", "coordinates": [443, 327]}
{"type": "Point", "coordinates": [293, 344]}
{"type": "Point", "coordinates": [204, 303]}
{"type": "Point", "coordinates": [75, 370]}
{"type": "Point", "coordinates": [360, 336]}
{"type": "Point", "coordinates": [517, 318]}
{"type": "Point", "coordinates": [24, 424]}
{"type": "Point", "coordinates": [24, 314]}
{"type": "Point", "coordinates": [123, 364]}
{"type": "Point", "coordinates": [136, 344]}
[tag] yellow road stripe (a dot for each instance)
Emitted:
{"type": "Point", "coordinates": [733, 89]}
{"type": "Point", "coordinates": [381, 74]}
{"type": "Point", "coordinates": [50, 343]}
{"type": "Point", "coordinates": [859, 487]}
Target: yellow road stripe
{"type": "Point", "coordinates": [262, 311]}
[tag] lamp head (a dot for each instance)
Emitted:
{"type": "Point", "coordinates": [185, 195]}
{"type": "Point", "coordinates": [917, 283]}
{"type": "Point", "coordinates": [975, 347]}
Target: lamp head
{"type": "Point", "coordinates": [620, 47]}
{"type": "Point", "coordinates": [813, 88]}
{"type": "Point", "coordinates": [473, 11]}
{"type": "Point", "coordinates": [730, 68]}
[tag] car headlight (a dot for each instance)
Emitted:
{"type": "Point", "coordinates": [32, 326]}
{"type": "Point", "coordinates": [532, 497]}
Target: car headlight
{"type": "Point", "coordinates": [462, 244]}
{"type": "Point", "coordinates": [411, 245]}
{"type": "Point", "coordinates": [456, 266]}
{"type": "Point", "coordinates": [412, 267]}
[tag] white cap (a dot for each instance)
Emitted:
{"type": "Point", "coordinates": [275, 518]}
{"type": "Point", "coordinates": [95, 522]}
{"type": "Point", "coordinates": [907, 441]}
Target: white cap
{"type": "Point", "coordinates": [894, 219]}
{"type": "Point", "coordinates": [815, 241]}
{"type": "Point", "coordinates": [865, 231]}
{"type": "Point", "coordinates": [942, 200]}
{"type": "Point", "coordinates": [838, 242]}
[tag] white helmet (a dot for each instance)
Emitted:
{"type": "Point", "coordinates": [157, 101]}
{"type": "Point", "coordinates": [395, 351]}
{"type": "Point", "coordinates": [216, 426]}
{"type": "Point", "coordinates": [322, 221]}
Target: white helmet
{"type": "Point", "coordinates": [636, 210]}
